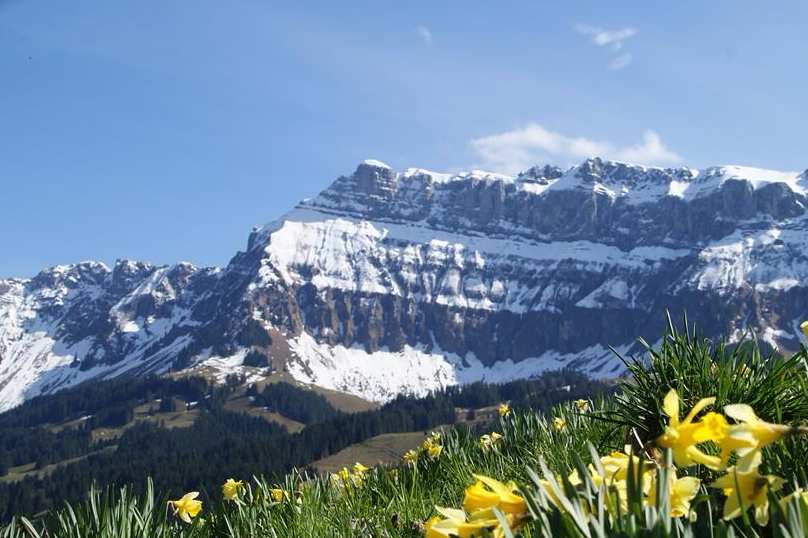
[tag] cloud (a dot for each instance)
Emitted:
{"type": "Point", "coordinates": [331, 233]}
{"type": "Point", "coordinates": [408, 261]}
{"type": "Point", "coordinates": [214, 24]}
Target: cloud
{"type": "Point", "coordinates": [513, 151]}
{"type": "Point", "coordinates": [619, 62]}
{"type": "Point", "coordinates": [650, 151]}
{"type": "Point", "coordinates": [612, 40]}
{"type": "Point", "coordinates": [606, 38]}
{"type": "Point", "coordinates": [425, 34]}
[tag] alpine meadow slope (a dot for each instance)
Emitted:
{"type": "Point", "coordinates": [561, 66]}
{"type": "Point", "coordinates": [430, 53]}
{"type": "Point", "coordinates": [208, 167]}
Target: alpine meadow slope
{"type": "Point", "coordinates": [402, 282]}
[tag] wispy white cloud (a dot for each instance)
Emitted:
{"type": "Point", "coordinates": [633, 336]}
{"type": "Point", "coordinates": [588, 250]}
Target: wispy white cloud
{"type": "Point", "coordinates": [513, 151]}
{"type": "Point", "coordinates": [425, 34]}
{"type": "Point", "coordinates": [612, 40]}
{"type": "Point", "coordinates": [650, 151]}
{"type": "Point", "coordinates": [619, 62]}
{"type": "Point", "coordinates": [606, 38]}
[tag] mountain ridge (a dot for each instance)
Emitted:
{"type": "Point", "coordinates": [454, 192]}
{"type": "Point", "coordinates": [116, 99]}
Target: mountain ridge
{"type": "Point", "coordinates": [390, 282]}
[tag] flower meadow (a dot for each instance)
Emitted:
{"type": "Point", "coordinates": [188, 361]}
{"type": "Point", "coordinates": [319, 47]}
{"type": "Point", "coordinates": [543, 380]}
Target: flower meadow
{"type": "Point", "coordinates": [699, 439]}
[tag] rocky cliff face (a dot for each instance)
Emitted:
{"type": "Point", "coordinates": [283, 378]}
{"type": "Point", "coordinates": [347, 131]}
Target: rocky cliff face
{"type": "Point", "coordinates": [393, 282]}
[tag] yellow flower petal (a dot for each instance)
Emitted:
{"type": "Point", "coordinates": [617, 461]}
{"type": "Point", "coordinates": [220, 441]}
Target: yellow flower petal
{"type": "Point", "coordinates": [671, 406]}
{"type": "Point", "coordinates": [741, 412]}
{"type": "Point", "coordinates": [497, 495]}
{"type": "Point", "coordinates": [451, 513]}
{"type": "Point", "coordinates": [764, 432]}
{"type": "Point", "coordinates": [682, 492]}
{"type": "Point", "coordinates": [359, 468]}
{"type": "Point", "coordinates": [477, 497]}
{"type": "Point", "coordinates": [698, 408]}
{"type": "Point", "coordinates": [697, 456]}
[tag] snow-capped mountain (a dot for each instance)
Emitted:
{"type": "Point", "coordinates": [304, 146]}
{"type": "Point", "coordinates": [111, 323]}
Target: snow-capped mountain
{"type": "Point", "coordinates": [390, 282]}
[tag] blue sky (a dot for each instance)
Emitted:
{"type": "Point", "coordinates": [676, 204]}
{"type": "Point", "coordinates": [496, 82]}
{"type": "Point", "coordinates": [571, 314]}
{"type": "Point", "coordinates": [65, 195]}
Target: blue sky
{"type": "Point", "coordinates": [163, 130]}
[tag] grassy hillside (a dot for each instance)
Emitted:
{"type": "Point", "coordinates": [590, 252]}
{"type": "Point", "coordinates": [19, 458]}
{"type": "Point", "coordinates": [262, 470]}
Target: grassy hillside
{"type": "Point", "coordinates": [385, 449]}
{"type": "Point", "coordinates": [187, 434]}
{"type": "Point", "coordinates": [672, 453]}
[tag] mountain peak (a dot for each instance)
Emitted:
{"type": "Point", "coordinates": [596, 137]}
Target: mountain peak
{"type": "Point", "coordinates": [374, 163]}
{"type": "Point", "coordinates": [71, 273]}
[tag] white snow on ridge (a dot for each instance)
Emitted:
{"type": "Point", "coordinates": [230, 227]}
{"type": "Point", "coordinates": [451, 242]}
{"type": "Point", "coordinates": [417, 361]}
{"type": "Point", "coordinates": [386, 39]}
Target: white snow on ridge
{"type": "Point", "coordinates": [682, 183]}
{"type": "Point", "coordinates": [221, 367]}
{"type": "Point", "coordinates": [776, 258]}
{"type": "Point", "coordinates": [348, 253]}
{"type": "Point", "coordinates": [130, 327]}
{"type": "Point", "coordinates": [760, 177]}
{"type": "Point", "coordinates": [414, 260]}
{"type": "Point", "coordinates": [688, 185]}
{"type": "Point", "coordinates": [374, 162]}
{"type": "Point", "coordinates": [710, 179]}
{"type": "Point", "coordinates": [382, 375]}
{"type": "Point", "coordinates": [437, 177]}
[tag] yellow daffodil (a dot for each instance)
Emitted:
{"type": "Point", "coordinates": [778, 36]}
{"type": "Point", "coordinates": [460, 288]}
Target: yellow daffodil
{"type": "Point", "coordinates": [359, 469]}
{"type": "Point", "coordinates": [488, 493]}
{"type": "Point", "coordinates": [344, 478]}
{"type": "Point", "coordinates": [746, 489]}
{"type": "Point", "coordinates": [231, 489]}
{"type": "Point", "coordinates": [187, 507]}
{"type": "Point", "coordinates": [559, 423]}
{"type": "Point", "coordinates": [410, 457]}
{"type": "Point", "coordinates": [615, 472]}
{"type": "Point", "coordinates": [680, 492]}
{"type": "Point", "coordinates": [615, 465]}
{"type": "Point", "coordinates": [582, 405]}
{"type": "Point", "coordinates": [804, 328]}
{"type": "Point", "coordinates": [684, 436]}
{"type": "Point", "coordinates": [276, 494]}
{"type": "Point", "coordinates": [504, 410]}
{"type": "Point", "coordinates": [489, 440]}
{"type": "Point", "coordinates": [431, 445]}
